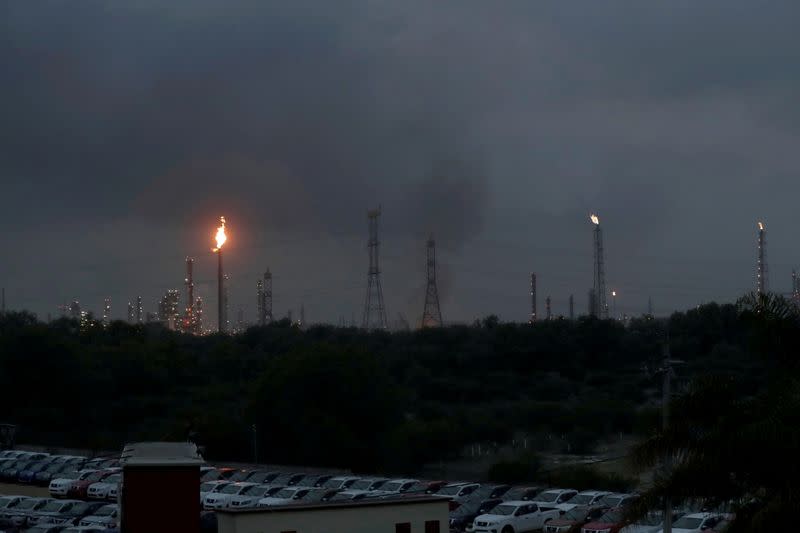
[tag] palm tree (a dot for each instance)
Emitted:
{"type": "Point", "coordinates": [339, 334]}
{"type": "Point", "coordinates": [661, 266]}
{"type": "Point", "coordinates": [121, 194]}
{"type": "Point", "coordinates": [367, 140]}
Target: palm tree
{"type": "Point", "coordinates": [727, 445]}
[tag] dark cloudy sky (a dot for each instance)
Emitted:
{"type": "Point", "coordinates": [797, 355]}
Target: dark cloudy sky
{"type": "Point", "coordinates": [128, 127]}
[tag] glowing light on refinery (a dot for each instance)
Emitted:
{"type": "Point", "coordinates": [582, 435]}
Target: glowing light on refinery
{"type": "Point", "coordinates": [761, 226]}
{"type": "Point", "coordinates": [595, 219]}
{"type": "Point", "coordinates": [220, 237]}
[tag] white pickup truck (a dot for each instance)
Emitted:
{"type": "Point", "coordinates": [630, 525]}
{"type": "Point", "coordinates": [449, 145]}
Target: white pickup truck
{"type": "Point", "coordinates": [514, 517]}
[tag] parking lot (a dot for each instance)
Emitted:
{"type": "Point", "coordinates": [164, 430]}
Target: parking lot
{"type": "Point", "coordinates": [63, 492]}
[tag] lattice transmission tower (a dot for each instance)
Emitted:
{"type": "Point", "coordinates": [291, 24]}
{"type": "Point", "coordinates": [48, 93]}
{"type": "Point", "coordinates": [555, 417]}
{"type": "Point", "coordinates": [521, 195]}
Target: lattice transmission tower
{"type": "Point", "coordinates": [374, 309]}
{"type": "Point", "coordinates": [762, 286]}
{"type": "Point", "coordinates": [432, 313]}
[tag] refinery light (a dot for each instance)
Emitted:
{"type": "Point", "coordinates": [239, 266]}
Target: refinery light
{"type": "Point", "coordinates": [594, 218]}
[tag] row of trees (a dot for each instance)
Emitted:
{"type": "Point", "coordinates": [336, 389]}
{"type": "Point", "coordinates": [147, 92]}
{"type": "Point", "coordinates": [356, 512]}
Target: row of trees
{"type": "Point", "coordinates": [354, 399]}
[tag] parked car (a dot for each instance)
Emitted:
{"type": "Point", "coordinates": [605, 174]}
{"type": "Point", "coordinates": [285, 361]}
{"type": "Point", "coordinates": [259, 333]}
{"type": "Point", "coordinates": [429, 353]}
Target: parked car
{"type": "Point", "coordinates": [427, 487]}
{"type": "Point", "coordinates": [522, 493]}
{"type": "Point", "coordinates": [653, 522]}
{"type": "Point", "coordinates": [27, 475]}
{"type": "Point", "coordinates": [486, 492]}
{"type": "Point", "coordinates": [554, 497]}
{"type": "Point", "coordinates": [44, 477]}
{"type": "Point", "coordinates": [317, 495]}
{"type": "Point", "coordinates": [465, 515]}
{"type": "Point", "coordinates": [101, 489]}
{"type": "Point", "coordinates": [368, 483]}
{"type": "Point", "coordinates": [10, 471]}
{"type": "Point", "coordinates": [589, 498]}
{"type": "Point", "coordinates": [314, 480]}
{"type": "Point", "coordinates": [9, 502]}
{"type": "Point", "coordinates": [349, 495]}
{"type": "Point", "coordinates": [106, 517]}
{"type": "Point", "coordinates": [59, 487]}
{"type": "Point", "coordinates": [514, 517]}
{"type": "Point", "coordinates": [696, 523]}
{"type": "Point", "coordinates": [616, 500]}
{"type": "Point", "coordinates": [249, 497]}
{"type": "Point", "coordinates": [261, 477]}
{"type": "Point", "coordinates": [78, 489]}
{"type": "Point", "coordinates": [572, 521]}
{"type": "Point", "coordinates": [286, 479]}
{"type": "Point", "coordinates": [45, 528]}
{"type": "Point", "coordinates": [221, 499]}
{"type": "Point", "coordinates": [284, 496]}
{"type": "Point", "coordinates": [397, 486]}
{"type": "Point", "coordinates": [612, 521]}
{"type": "Point", "coordinates": [211, 486]}
{"type": "Point", "coordinates": [20, 513]}
{"type": "Point", "coordinates": [340, 482]}
{"type": "Point", "coordinates": [458, 491]}
{"type": "Point", "coordinates": [74, 515]}
{"type": "Point", "coordinates": [213, 474]}
{"type": "Point", "coordinates": [53, 509]}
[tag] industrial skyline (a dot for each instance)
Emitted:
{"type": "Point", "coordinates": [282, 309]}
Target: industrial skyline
{"type": "Point", "coordinates": [168, 307]}
{"type": "Point", "coordinates": [503, 172]}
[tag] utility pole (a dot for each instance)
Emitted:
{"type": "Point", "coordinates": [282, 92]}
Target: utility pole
{"type": "Point", "coordinates": [667, 372]}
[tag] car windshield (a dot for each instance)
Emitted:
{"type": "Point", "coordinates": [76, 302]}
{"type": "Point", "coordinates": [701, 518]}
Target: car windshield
{"type": "Point", "coordinates": [205, 487]}
{"type": "Point", "coordinates": [393, 486]}
{"type": "Point", "coordinates": [582, 499]}
{"type": "Point", "coordinates": [547, 497]}
{"type": "Point", "coordinates": [255, 490]}
{"type": "Point", "coordinates": [5, 501]}
{"type": "Point", "coordinates": [80, 508]}
{"type": "Point", "coordinates": [488, 506]}
{"type": "Point", "coordinates": [113, 479]}
{"type": "Point", "coordinates": [611, 517]}
{"type": "Point", "coordinates": [611, 501]}
{"type": "Point", "coordinates": [285, 493]}
{"type": "Point", "coordinates": [576, 514]}
{"type": "Point", "coordinates": [333, 483]}
{"type": "Point", "coordinates": [54, 468]}
{"type": "Point", "coordinates": [363, 484]}
{"type": "Point", "coordinates": [107, 510]}
{"type": "Point", "coordinates": [688, 522]}
{"type": "Point", "coordinates": [258, 477]}
{"type": "Point", "coordinates": [53, 507]}
{"type": "Point", "coordinates": [450, 491]}
{"type": "Point", "coordinates": [31, 503]}
{"type": "Point", "coordinates": [96, 476]}
{"type": "Point", "coordinates": [239, 476]}
{"type": "Point", "coordinates": [504, 510]}
{"type": "Point", "coordinates": [231, 489]}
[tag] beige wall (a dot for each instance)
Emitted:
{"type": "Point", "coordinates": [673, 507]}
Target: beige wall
{"type": "Point", "coordinates": [362, 519]}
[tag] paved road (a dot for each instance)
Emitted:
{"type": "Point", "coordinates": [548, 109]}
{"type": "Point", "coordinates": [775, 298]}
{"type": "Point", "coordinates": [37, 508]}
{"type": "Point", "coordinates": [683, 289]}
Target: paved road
{"type": "Point", "coordinates": [23, 490]}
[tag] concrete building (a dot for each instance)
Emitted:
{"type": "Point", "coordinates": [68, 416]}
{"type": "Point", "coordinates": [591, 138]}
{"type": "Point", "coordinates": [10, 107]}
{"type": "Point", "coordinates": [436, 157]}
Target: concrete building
{"type": "Point", "coordinates": [409, 514]}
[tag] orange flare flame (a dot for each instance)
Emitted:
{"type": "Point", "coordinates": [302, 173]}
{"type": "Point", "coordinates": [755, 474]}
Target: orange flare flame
{"type": "Point", "coordinates": [220, 236]}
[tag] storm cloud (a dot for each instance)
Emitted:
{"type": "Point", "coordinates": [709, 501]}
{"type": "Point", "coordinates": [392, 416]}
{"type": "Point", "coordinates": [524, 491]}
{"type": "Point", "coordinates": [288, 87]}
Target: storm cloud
{"type": "Point", "coordinates": [496, 126]}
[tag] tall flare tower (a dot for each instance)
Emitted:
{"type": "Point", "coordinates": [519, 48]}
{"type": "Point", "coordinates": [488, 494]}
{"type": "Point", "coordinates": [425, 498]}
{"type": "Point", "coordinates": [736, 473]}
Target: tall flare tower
{"type": "Point", "coordinates": [600, 307]}
{"type": "Point", "coordinates": [267, 297]}
{"type": "Point", "coordinates": [761, 268]}
{"type": "Point", "coordinates": [374, 309]}
{"type": "Point", "coordinates": [432, 313]}
{"type": "Point", "coordinates": [532, 319]}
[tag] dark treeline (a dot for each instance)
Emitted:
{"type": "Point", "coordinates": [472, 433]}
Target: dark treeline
{"type": "Point", "coordinates": [344, 397]}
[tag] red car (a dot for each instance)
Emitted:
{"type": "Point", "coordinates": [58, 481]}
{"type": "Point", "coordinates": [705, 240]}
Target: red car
{"type": "Point", "coordinates": [611, 522]}
{"type": "Point", "coordinates": [79, 488]}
